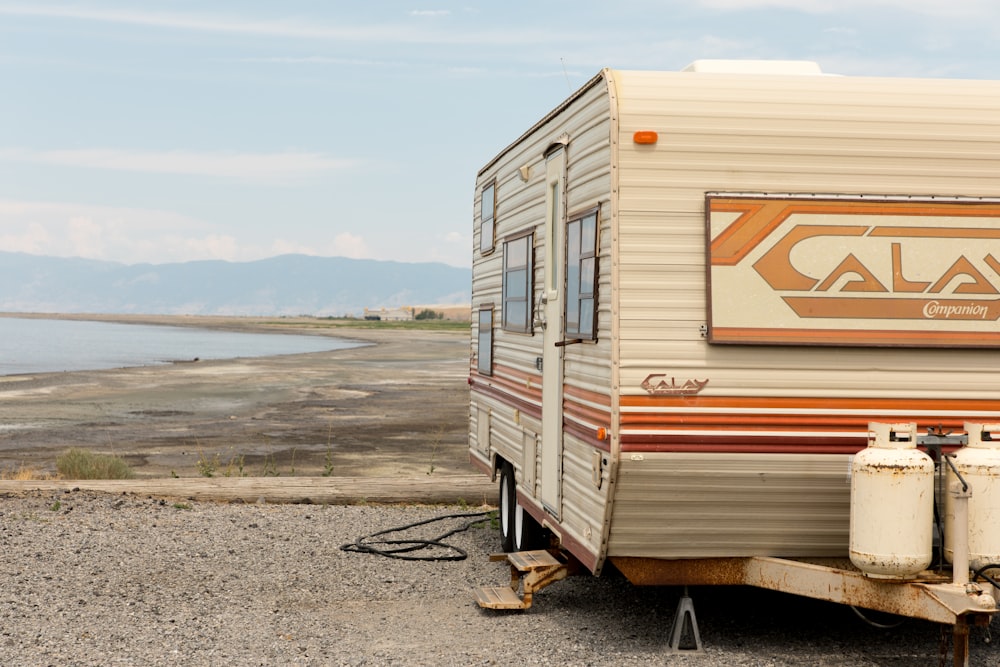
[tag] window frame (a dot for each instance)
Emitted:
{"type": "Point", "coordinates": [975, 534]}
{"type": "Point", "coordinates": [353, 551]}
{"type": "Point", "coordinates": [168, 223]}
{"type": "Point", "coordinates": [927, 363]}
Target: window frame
{"type": "Point", "coordinates": [524, 296]}
{"type": "Point", "coordinates": [487, 238]}
{"type": "Point", "coordinates": [583, 296]}
{"type": "Point", "coordinates": [484, 363]}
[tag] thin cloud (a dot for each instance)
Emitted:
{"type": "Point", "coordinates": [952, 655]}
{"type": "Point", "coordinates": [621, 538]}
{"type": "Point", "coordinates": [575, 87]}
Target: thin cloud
{"type": "Point", "coordinates": [956, 8]}
{"type": "Point", "coordinates": [280, 27]}
{"type": "Point", "coordinates": [110, 233]}
{"type": "Point", "coordinates": [318, 60]}
{"type": "Point", "coordinates": [204, 23]}
{"type": "Point", "coordinates": [136, 236]}
{"type": "Point", "coordinates": [253, 167]}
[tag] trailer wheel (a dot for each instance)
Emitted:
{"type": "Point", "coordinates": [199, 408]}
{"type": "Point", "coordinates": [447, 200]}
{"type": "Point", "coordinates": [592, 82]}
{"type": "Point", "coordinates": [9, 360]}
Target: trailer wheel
{"type": "Point", "coordinates": [508, 505]}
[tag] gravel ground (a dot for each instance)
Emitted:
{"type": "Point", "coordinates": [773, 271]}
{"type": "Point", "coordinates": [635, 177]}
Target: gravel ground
{"type": "Point", "coordinates": [92, 579]}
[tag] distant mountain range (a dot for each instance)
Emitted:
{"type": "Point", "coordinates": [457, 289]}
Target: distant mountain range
{"type": "Point", "coordinates": [283, 285]}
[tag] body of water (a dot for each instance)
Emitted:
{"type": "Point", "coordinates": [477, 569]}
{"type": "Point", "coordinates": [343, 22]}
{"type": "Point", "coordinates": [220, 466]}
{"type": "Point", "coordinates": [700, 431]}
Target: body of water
{"type": "Point", "coordinates": [47, 346]}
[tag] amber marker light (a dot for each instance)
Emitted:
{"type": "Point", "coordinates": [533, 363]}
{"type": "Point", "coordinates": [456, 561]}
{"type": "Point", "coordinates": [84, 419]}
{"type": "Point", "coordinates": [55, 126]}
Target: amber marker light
{"type": "Point", "coordinates": [645, 137]}
{"type": "Point", "coordinates": [602, 434]}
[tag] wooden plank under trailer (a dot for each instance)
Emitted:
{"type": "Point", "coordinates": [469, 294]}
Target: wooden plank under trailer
{"type": "Point", "coordinates": [930, 596]}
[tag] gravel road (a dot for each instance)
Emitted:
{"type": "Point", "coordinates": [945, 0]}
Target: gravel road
{"type": "Point", "coordinates": [93, 579]}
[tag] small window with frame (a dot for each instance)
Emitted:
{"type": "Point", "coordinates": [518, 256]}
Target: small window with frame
{"type": "Point", "coordinates": [517, 283]}
{"type": "Point", "coordinates": [484, 345]}
{"type": "Point", "coordinates": [581, 277]}
{"type": "Point", "coordinates": [487, 216]}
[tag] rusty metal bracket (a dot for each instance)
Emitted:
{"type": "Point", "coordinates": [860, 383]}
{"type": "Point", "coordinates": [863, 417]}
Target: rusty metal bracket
{"type": "Point", "coordinates": [937, 602]}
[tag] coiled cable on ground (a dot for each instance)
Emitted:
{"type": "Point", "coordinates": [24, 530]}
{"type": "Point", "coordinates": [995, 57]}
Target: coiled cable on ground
{"type": "Point", "coordinates": [407, 548]}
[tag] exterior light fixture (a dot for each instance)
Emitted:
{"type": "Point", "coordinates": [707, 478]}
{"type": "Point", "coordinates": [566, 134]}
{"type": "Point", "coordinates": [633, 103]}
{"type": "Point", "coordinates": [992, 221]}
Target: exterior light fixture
{"type": "Point", "coordinates": [645, 137]}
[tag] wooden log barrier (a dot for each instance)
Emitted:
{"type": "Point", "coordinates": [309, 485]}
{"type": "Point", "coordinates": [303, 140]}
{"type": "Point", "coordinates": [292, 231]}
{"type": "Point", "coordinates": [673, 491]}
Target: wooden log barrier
{"type": "Point", "coordinates": [473, 490]}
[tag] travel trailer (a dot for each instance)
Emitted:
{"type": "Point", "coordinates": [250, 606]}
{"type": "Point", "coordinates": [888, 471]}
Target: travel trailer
{"type": "Point", "coordinates": [699, 296]}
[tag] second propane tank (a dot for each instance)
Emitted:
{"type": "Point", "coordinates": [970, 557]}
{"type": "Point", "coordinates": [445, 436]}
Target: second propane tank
{"type": "Point", "coordinates": [892, 504]}
{"type": "Point", "coordinates": [979, 465]}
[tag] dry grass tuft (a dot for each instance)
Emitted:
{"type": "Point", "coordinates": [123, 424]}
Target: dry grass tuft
{"type": "Point", "coordinates": [80, 463]}
{"type": "Point", "coordinates": [24, 474]}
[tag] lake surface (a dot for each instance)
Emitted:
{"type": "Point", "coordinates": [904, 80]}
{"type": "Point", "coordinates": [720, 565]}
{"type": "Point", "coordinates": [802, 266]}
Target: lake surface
{"type": "Point", "coordinates": [47, 346]}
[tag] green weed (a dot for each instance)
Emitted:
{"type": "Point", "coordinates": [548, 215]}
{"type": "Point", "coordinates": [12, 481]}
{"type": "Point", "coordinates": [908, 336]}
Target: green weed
{"type": "Point", "coordinates": [270, 467]}
{"type": "Point", "coordinates": [207, 466]}
{"type": "Point", "coordinates": [328, 463]}
{"type": "Point", "coordinates": [235, 467]}
{"type": "Point", "coordinates": [77, 463]}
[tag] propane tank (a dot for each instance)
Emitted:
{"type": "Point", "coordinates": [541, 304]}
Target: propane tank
{"type": "Point", "coordinates": [892, 504]}
{"type": "Point", "coordinates": [979, 465]}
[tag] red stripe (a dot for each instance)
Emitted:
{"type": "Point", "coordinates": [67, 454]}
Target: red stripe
{"type": "Point", "coordinates": [740, 443]}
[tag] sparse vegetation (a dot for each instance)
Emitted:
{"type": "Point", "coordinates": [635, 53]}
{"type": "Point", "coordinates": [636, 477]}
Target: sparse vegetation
{"type": "Point", "coordinates": [359, 323]}
{"type": "Point", "coordinates": [270, 467]}
{"type": "Point", "coordinates": [328, 459]}
{"type": "Point", "coordinates": [235, 467]}
{"type": "Point", "coordinates": [23, 473]}
{"type": "Point", "coordinates": [428, 314]}
{"type": "Point", "coordinates": [77, 463]}
{"type": "Point", "coordinates": [434, 447]}
{"type": "Point", "coordinates": [207, 465]}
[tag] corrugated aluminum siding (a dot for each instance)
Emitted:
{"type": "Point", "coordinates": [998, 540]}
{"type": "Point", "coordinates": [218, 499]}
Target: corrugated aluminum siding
{"type": "Point", "coordinates": [698, 506]}
{"type": "Point", "coordinates": [512, 395]}
{"type": "Point", "coordinates": [772, 134]}
{"type": "Point", "coordinates": [786, 134]}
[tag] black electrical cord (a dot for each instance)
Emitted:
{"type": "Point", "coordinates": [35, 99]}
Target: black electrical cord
{"type": "Point", "coordinates": [981, 573]}
{"type": "Point", "coordinates": [876, 624]}
{"type": "Point", "coordinates": [403, 549]}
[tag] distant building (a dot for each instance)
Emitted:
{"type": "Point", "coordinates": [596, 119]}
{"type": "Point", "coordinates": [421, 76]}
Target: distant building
{"type": "Point", "coordinates": [389, 314]}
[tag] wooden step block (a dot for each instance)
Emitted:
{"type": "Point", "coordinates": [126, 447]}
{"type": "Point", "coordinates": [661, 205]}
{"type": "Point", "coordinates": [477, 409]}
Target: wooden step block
{"type": "Point", "coordinates": [498, 597]}
{"type": "Point", "coordinates": [526, 561]}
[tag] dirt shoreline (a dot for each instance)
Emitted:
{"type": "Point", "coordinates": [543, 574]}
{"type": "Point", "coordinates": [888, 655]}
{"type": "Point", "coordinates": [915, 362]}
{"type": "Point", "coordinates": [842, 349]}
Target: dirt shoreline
{"type": "Point", "coordinates": [396, 406]}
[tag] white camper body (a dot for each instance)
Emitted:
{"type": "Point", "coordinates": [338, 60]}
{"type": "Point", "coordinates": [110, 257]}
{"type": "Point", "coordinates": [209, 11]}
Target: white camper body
{"type": "Point", "coordinates": [693, 291]}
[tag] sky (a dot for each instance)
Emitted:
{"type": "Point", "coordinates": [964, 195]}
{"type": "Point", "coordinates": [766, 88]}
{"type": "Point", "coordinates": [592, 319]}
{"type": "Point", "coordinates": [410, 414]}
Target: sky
{"type": "Point", "coordinates": [156, 131]}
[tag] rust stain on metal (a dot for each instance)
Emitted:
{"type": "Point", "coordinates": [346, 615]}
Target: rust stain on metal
{"type": "Point", "coordinates": [693, 571]}
{"type": "Point", "coordinates": [928, 595]}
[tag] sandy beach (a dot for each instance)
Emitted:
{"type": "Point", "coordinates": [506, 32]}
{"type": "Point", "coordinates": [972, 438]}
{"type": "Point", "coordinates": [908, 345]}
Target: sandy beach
{"type": "Point", "coordinates": [396, 405]}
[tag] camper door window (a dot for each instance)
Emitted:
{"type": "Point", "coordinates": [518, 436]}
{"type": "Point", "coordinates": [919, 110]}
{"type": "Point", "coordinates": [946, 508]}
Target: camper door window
{"type": "Point", "coordinates": [581, 276]}
{"type": "Point", "coordinates": [484, 356]}
{"type": "Point", "coordinates": [517, 288]}
{"type": "Point", "coordinates": [487, 213]}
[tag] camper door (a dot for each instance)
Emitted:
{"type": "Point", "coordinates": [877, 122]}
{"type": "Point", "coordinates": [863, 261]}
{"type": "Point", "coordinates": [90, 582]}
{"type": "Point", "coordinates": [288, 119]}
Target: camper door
{"type": "Point", "coordinates": [551, 312]}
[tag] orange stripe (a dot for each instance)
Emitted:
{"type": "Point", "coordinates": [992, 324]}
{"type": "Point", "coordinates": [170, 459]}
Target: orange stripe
{"type": "Point", "coordinates": [586, 414]}
{"type": "Point", "coordinates": [744, 234]}
{"type": "Point", "coordinates": [726, 431]}
{"type": "Point", "coordinates": [603, 399]}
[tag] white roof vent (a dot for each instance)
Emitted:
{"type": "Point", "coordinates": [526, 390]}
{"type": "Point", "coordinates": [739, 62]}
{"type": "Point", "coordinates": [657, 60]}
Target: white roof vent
{"type": "Point", "coordinates": [800, 67]}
